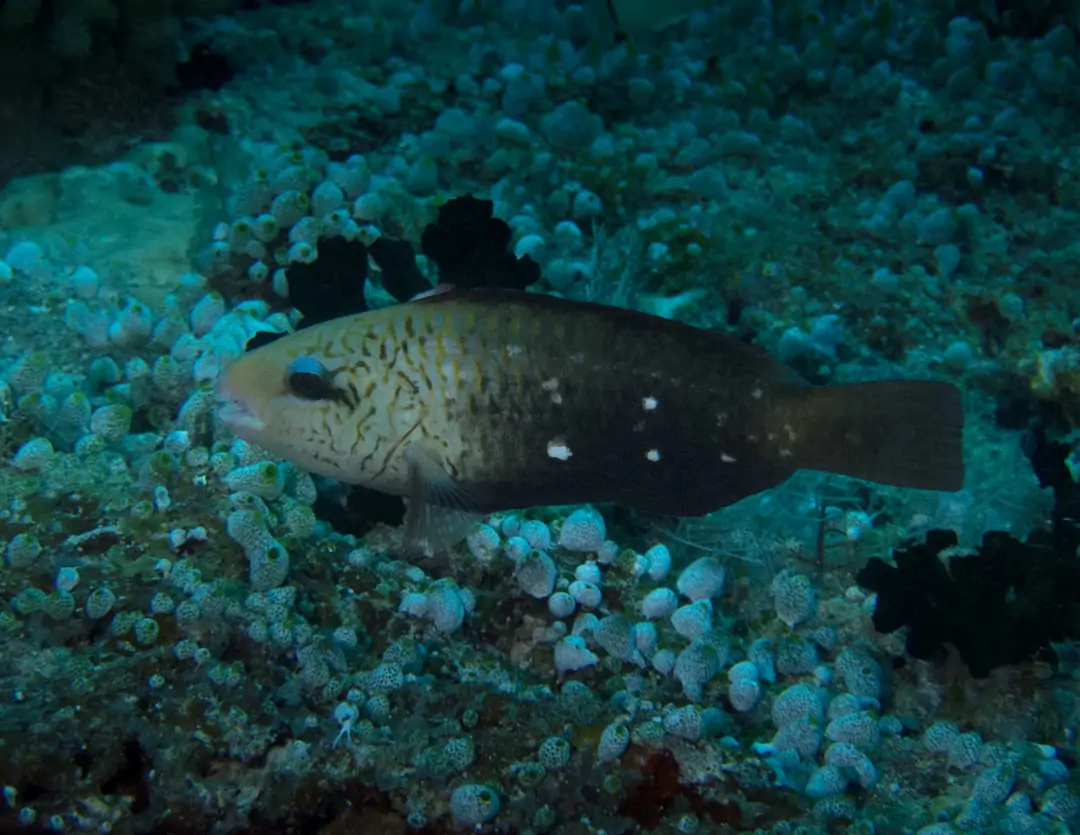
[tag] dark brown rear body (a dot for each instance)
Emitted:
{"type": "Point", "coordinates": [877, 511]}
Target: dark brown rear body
{"type": "Point", "coordinates": [578, 402]}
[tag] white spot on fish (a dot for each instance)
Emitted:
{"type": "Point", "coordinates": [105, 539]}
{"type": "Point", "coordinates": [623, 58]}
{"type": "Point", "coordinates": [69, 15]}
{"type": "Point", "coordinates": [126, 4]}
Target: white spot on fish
{"type": "Point", "coordinates": [757, 394]}
{"type": "Point", "coordinates": [649, 403]}
{"type": "Point", "coordinates": [558, 450]}
{"type": "Point", "coordinates": [550, 385]}
{"type": "Point", "coordinates": [785, 453]}
{"type": "Point", "coordinates": [727, 459]}
{"type": "Point", "coordinates": [556, 398]}
{"type": "Point", "coordinates": [514, 351]}
{"type": "Point", "coordinates": [653, 455]}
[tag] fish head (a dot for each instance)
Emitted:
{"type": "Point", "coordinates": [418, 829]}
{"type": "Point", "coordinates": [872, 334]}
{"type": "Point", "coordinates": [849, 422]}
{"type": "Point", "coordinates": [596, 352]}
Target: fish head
{"type": "Point", "coordinates": [292, 397]}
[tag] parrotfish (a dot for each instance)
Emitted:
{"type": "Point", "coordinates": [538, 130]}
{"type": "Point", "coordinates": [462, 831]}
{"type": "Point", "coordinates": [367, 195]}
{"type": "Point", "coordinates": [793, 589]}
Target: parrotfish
{"type": "Point", "coordinates": [481, 401]}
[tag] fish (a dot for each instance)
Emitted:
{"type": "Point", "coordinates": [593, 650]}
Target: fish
{"type": "Point", "coordinates": [489, 400]}
{"type": "Point", "coordinates": [470, 248]}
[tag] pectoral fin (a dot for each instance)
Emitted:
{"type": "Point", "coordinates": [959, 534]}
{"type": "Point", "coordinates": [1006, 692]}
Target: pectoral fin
{"type": "Point", "coordinates": [438, 514]}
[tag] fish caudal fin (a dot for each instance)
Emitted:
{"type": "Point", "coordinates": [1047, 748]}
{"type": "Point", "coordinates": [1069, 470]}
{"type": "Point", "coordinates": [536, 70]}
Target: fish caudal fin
{"type": "Point", "coordinates": [905, 433]}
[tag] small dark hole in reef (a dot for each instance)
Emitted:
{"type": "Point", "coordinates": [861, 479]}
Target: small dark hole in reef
{"type": "Point", "coordinates": [362, 511]}
{"type": "Point", "coordinates": [83, 760]}
{"type": "Point", "coordinates": [31, 792]}
{"type": "Point", "coordinates": [140, 422]}
{"type": "Point", "coordinates": [130, 779]}
{"type": "Point", "coordinates": [213, 121]}
{"type": "Point", "coordinates": [205, 69]}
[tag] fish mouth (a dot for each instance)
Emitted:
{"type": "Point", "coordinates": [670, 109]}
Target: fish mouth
{"type": "Point", "coordinates": [238, 416]}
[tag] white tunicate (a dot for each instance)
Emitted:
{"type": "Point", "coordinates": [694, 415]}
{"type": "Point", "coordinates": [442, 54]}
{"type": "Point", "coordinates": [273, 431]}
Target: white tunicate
{"type": "Point", "coordinates": [947, 258]}
{"type": "Point", "coordinates": [536, 533]}
{"type": "Point", "coordinates": [561, 605]}
{"type": "Point", "coordinates": [567, 235]}
{"type": "Point", "coordinates": [588, 572]}
{"type": "Point", "coordinates": [517, 548]}
{"type": "Point", "coordinates": [414, 604]}
{"type": "Point", "coordinates": [958, 356]}
{"type": "Point", "coordinates": [607, 552]}
{"type": "Point", "coordinates": [664, 661]}
{"type": "Point", "coordinates": [258, 273]}
{"type": "Point", "coordinates": [445, 606]}
{"type": "Point", "coordinates": [586, 594]}
{"type": "Point", "coordinates": [536, 574]}
{"type": "Point", "coordinates": [702, 579]}
{"type": "Point", "coordinates": [743, 693]}
{"type": "Point", "coordinates": [28, 258]}
{"type": "Point", "coordinates": [693, 620]}
{"type": "Point", "coordinates": [793, 597]}
{"type": "Point", "coordinates": [530, 246]}
{"type": "Point", "coordinates": [510, 526]}
{"type": "Point", "coordinates": [301, 252]}
{"type": "Point", "coordinates": [586, 205]}
{"type": "Point", "coordinates": [468, 600]}
{"type": "Point", "coordinates": [206, 313]}
{"type": "Point", "coordinates": [695, 667]}
{"type": "Point", "coordinates": [571, 654]}
{"type": "Point", "coordinates": [22, 551]}
{"type": "Point", "coordinates": [583, 530]}
{"type": "Point", "coordinates": [614, 740]}
{"type": "Point", "coordinates": [554, 753]}
{"type": "Point", "coordinates": [474, 805]}
{"type": "Point", "coordinates": [99, 603]}
{"type": "Point", "coordinates": [483, 543]}
{"type": "Point", "coordinates": [585, 623]}
{"type": "Point", "coordinates": [659, 603]}
{"type": "Point", "coordinates": [66, 579]}
{"type": "Point", "coordinates": [327, 197]}
{"type": "Point", "coordinates": [658, 562]}
{"type": "Point", "coordinates": [33, 455]}
{"type": "Point", "coordinates": [646, 638]}
{"type": "Point", "coordinates": [615, 635]}
{"type": "Point", "coordinates": [743, 670]}
{"type": "Point", "coordinates": [938, 227]}
{"type": "Point", "coordinates": [84, 283]}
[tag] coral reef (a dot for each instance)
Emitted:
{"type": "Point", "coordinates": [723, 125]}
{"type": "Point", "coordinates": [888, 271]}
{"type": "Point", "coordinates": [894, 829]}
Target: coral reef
{"type": "Point", "coordinates": [199, 637]}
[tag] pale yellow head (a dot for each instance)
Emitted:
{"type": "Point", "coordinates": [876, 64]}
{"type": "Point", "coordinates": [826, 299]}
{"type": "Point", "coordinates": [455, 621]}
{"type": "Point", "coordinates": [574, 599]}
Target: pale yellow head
{"type": "Point", "coordinates": [308, 398]}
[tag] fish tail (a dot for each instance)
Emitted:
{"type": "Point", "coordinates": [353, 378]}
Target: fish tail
{"type": "Point", "coordinates": [905, 433]}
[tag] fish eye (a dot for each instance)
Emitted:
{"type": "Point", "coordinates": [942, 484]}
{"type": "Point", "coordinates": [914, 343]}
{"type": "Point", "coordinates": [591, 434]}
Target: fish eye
{"type": "Point", "coordinates": [307, 379]}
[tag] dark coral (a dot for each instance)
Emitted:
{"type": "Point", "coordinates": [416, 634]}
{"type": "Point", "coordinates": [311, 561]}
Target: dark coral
{"type": "Point", "coordinates": [401, 278]}
{"type": "Point", "coordinates": [1007, 603]}
{"type": "Point", "coordinates": [333, 284]}
{"type": "Point", "coordinates": [467, 243]}
{"type": "Point", "coordinates": [471, 248]}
